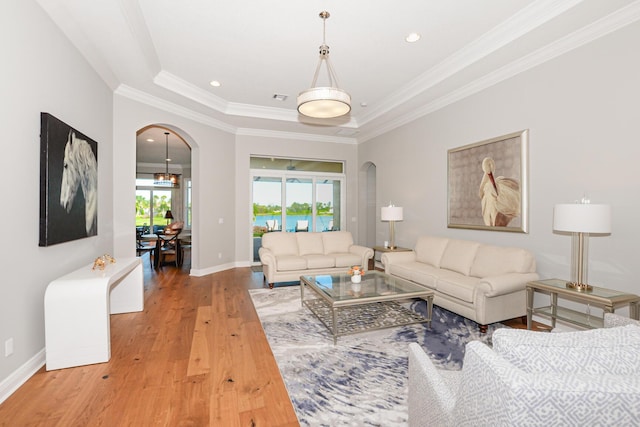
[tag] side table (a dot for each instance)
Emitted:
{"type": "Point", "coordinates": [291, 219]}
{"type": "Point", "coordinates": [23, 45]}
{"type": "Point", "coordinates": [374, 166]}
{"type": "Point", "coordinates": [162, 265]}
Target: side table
{"type": "Point", "coordinates": [382, 249]}
{"type": "Point", "coordinates": [605, 299]}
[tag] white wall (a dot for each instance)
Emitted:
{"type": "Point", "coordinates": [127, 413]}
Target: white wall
{"type": "Point", "coordinates": [582, 112]}
{"type": "Point", "coordinates": [247, 146]}
{"type": "Point", "coordinates": [212, 154]}
{"type": "Point", "coordinates": [42, 72]}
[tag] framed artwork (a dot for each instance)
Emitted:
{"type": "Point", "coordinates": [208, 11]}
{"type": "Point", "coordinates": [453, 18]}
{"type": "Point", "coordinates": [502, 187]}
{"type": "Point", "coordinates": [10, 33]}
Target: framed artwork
{"type": "Point", "coordinates": [488, 184]}
{"type": "Point", "coordinates": [68, 183]}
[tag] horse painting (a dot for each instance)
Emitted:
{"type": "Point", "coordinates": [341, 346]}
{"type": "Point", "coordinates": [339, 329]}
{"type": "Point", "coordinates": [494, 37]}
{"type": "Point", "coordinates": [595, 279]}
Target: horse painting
{"type": "Point", "coordinates": [80, 170]}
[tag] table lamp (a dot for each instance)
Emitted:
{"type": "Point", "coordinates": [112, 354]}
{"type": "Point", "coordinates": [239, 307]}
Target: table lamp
{"type": "Point", "coordinates": [581, 219]}
{"type": "Point", "coordinates": [392, 214]}
{"type": "Point", "coordinates": [168, 216]}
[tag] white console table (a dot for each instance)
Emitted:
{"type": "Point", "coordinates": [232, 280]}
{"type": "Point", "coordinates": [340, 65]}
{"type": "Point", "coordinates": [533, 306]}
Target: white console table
{"type": "Point", "coordinates": [77, 308]}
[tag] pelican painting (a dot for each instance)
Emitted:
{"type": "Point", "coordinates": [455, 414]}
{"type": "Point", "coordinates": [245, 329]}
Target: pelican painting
{"type": "Point", "coordinates": [500, 196]}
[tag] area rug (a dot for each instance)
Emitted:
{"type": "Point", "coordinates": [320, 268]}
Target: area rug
{"type": "Point", "coordinates": [362, 380]}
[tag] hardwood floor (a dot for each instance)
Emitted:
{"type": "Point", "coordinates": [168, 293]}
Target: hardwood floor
{"type": "Point", "coordinates": [196, 356]}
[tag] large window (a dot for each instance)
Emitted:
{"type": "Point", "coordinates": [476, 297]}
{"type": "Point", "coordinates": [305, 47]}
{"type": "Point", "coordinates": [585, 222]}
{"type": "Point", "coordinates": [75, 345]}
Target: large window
{"type": "Point", "coordinates": [151, 203]}
{"type": "Point", "coordinates": [312, 199]}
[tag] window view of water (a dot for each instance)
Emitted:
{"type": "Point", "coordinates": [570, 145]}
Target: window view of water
{"type": "Point", "coordinates": [322, 221]}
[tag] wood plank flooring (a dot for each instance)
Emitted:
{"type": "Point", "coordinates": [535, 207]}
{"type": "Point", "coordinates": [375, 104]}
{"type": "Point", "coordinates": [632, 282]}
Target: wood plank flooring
{"type": "Point", "coordinates": [196, 356]}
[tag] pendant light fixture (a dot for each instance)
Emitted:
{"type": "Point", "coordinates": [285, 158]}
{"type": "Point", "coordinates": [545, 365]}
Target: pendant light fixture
{"type": "Point", "coordinates": [165, 178]}
{"type": "Point", "coordinates": [324, 102]}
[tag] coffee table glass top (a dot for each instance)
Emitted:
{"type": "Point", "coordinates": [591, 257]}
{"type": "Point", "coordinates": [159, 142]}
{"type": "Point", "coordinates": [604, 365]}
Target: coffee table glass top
{"type": "Point", "coordinates": [374, 286]}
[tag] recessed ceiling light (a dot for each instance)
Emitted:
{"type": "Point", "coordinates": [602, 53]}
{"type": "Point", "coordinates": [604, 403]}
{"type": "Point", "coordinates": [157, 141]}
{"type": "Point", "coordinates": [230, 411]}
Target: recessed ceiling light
{"type": "Point", "coordinates": [412, 37]}
{"type": "Point", "coordinates": [214, 83]}
{"type": "Point", "coordinates": [149, 139]}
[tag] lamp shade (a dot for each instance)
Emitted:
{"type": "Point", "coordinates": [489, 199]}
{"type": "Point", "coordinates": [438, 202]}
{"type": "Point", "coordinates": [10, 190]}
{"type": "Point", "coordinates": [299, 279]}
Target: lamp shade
{"type": "Point", "coordinates": [324, 102]}
{"type": "Point", "coordinates": [391, 213]}
{"type": "Point", "coordinates": [582, 218]}
{"type": "Point", "coordinates": [168, 215]}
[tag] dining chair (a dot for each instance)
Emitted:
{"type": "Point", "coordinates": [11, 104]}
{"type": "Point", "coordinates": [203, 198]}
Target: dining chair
{"type": "Point", "coordinates": [302, 225]}
{"type": "Point", "coordinates": [169, 248]}
{"type": "Point", "coordinates": [143, 246]}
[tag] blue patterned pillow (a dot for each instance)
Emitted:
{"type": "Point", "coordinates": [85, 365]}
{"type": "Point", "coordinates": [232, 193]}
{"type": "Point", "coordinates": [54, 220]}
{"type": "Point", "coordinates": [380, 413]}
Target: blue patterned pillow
{"type": "Point", "coordinates": [614, 351]}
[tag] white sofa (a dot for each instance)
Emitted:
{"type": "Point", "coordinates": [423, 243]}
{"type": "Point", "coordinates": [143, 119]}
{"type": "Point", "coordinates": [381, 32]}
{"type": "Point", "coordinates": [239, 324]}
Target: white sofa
{"type": "Point", "coordinates": [481, 282]}
{"type": "Point", "coordinates": [287, 256]}
{"type": "Point", "coordinates": [534, 379]}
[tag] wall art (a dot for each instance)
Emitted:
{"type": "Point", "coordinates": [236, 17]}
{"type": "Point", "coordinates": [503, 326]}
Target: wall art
{"type": "Point", "coordinates": [488, 184]}
{"type": "Point", "coordinates": [68, 183]}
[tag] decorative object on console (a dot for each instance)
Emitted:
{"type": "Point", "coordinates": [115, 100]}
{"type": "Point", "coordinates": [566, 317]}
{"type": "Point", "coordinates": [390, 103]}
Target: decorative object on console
{"type": "Point", "coordinates": [392, 214]}
{"type": "Point", "coordinates": [68, 183]}
{"type": "Point", "coordinates": [324, 102]}
{"type": "Point", "coordinates": [489, 202]}
{"type": "Point", "coordinates": [165, 178]}
{"type": "Point", "coordinates": [581, 219]}
{"type": "Point", "coordinates": [101, 262]}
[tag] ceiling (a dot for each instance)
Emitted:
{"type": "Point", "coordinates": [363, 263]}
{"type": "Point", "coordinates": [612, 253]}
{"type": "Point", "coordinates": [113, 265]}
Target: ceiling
{"type": "Point", "coordinates": [165, 53]}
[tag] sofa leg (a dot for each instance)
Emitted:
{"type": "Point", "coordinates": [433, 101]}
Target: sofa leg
{"type": "Point", "coordinates": [270, 285]}
{"type": "Point", "coordinates": [483, 329]}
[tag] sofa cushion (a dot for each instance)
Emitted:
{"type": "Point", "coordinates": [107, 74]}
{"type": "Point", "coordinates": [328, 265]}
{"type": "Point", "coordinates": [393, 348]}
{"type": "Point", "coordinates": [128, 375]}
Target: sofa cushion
{"type": "Point", "coordinates": [337, 242]}
{"type": "Point", "coordinates": [309, 243]}
{"type": "Point", "coordinates": [347, 260]}
{"type": "Point", "coordinates": [429, 249]}
{"type": "Point", "coordinates": [496, 260]}
{"type": "Point", "coordinates": [457, 285]}
{"type": "Point", "coordinates": [291, 262]}
{"type": "Point", "coordinates": [459, 255]}
{"type": "Point", "coordinates": [320, 261]}
{"type": "Point", "coordinates": [280, 243]}
{"type": "Point", "coordinates": [613, 351]}
{"type": "Point", "coordinates": [403, 270]}
{"type": "Point", "coordinates": [425, 275]}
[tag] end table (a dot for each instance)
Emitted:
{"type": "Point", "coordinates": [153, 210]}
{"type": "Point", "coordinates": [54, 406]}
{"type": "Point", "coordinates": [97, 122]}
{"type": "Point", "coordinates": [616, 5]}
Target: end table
{"type": "Point", "coordinates": [606, 299]}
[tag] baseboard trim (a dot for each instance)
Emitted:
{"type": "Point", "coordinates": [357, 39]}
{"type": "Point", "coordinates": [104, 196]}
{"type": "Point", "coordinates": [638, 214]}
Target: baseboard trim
{"type": "Point", "coordinates": [21, 375]}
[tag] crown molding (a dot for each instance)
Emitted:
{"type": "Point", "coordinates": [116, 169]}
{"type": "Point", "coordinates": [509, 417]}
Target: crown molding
{"type": "Point", "coordinates": [606, 25]}
{"type": "Point", "coordinates": [295, 136]}
{"type": "Point", "coordinates": [154, 101]}
{"type": "Point", "coordinates": [529, 18]}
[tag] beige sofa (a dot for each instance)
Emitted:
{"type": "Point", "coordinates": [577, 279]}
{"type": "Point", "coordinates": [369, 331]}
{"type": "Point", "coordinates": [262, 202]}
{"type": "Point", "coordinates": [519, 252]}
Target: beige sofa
{"type": "Point", "coordinates": [287, 256]}
{"type": "Point", "coordinates": [481, 282]}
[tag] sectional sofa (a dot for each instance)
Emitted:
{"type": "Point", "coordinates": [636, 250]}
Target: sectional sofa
{"type": "Point", "coordinates": [481, 282]}
{"type": "Point", "coordinates": [286, 256]}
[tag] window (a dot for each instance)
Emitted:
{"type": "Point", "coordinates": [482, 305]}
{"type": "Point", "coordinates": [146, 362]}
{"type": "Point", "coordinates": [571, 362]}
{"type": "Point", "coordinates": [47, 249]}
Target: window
{"type": "Point", "coordinates": [312, 198]}
{"type": "Point", "coordinates": [152, 203]}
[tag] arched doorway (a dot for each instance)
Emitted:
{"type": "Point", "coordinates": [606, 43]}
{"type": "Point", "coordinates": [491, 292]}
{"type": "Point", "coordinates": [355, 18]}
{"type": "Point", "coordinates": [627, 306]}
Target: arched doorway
{"type": "Point", "coordinates": [160, 150]}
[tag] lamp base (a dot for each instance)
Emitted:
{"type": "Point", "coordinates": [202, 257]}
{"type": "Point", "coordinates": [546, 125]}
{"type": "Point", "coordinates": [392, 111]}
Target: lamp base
{"type": "Point", "coordinates": [580, 287]}
{"type": "Point", "coordinates": [392, 247]}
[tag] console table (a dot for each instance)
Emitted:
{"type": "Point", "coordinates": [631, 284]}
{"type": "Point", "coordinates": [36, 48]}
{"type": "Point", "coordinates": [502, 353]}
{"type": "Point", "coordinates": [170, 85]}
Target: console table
{"type": "Point", "coordinates": [605, 299]}
{"type": "Point", "coordinates": [77, 308]}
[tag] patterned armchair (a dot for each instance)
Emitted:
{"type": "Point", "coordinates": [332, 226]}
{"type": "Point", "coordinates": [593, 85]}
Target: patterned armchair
{"type": "Point", "coordinates": [534, 379]}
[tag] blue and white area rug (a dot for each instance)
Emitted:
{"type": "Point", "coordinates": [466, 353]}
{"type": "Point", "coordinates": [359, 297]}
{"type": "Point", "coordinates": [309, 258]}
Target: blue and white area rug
{"type": "Point", "coordinates": [361, 381]}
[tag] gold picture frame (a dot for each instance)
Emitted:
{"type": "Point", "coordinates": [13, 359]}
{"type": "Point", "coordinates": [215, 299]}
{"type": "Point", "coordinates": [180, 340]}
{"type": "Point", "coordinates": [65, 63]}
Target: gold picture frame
{"type": "Point", "coordinates": [488, 184]}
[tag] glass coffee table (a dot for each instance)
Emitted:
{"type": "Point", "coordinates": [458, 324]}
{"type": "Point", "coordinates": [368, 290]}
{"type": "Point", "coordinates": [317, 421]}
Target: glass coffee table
{"type": "Point", "coordinates": [374, 303]}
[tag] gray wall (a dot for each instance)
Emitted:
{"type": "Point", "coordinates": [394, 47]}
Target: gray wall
{"type": "Point", "coordinates": [582, 112]}
{"type": "Point", "coordinates": [42, 72]}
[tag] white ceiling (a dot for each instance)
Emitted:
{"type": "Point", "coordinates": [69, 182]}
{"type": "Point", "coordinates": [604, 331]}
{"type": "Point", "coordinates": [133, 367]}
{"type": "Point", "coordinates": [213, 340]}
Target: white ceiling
{"type": "Point", "coordinates": [165, 52]}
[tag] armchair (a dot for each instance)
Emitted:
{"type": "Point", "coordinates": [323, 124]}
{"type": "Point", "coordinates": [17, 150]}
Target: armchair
{"type": "Point", "coordinates": [535, 379]}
